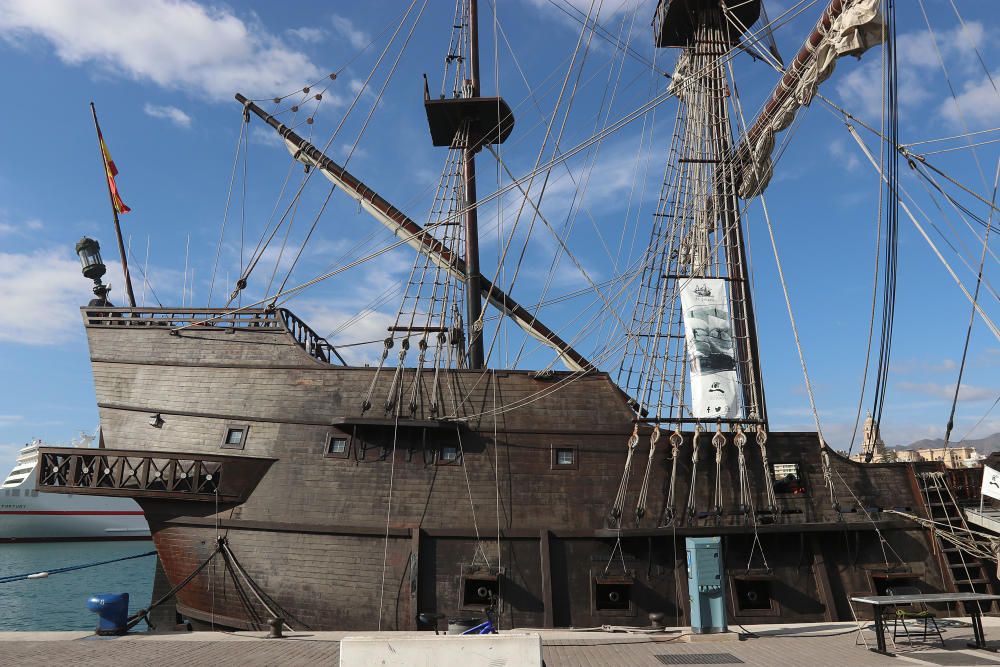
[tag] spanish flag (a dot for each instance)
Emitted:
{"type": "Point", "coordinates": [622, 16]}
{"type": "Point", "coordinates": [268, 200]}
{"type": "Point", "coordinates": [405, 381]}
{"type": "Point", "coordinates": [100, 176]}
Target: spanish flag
{"type": "Point", "coordinates": [111, 170]}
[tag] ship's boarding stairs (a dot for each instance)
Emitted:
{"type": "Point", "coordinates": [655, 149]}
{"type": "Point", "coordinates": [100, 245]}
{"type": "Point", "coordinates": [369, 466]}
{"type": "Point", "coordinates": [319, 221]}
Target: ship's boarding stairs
{"type": "Point", "coordinates": [967, 572]}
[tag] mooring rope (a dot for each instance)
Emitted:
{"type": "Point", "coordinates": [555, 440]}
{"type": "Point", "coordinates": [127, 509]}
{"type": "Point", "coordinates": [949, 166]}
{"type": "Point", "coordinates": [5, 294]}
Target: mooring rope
{"type": "Point", "coordinates": [42, 574]}
{"type": "Point", "coordinates": [144, 613]}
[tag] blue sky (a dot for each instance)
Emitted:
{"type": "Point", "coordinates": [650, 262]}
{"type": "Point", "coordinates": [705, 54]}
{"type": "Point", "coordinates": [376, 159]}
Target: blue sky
{"type": "Point", "coordinates": [163, 74]}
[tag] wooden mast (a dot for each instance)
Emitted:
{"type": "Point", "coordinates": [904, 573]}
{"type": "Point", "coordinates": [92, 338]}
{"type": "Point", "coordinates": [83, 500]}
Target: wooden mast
{"type": "Point", "coordinates": [473, 299]}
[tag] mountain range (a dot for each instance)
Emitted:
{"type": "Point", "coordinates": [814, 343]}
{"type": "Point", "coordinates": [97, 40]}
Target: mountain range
{"type": "Point", "coordinates": [990, 443]}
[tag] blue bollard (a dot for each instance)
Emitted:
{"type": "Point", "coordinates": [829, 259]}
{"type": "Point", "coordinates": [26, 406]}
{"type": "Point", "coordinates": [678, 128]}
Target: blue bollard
{"type": "Point", "coordinates": [112, 612]}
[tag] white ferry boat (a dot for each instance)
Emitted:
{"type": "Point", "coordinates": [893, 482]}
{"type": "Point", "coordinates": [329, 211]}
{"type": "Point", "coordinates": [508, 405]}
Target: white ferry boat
{"type": "Point", "coordinates": [29, 516]}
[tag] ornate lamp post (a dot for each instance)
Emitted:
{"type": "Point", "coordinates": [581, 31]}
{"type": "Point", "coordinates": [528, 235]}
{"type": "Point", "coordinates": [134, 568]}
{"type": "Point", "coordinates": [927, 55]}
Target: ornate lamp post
{"type": "Point", "coordinates": [89, 252]}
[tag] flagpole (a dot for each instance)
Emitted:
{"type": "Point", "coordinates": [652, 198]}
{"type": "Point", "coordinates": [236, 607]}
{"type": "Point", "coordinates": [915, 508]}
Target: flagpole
{"type": "Point", "coordinates": [114, 212]}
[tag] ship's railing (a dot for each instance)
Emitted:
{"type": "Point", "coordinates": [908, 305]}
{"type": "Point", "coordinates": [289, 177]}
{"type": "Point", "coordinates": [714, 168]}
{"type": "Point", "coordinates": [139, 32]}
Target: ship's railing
{"type": "Point", "coordinates": [317, 346]}
{"type": "Point", "coordinates": [137, 473]}
{"type": "Point", "coordinates": [965, 484]}
{"type": "Point", "coordinates": [148, 474]}
{"type": "Point", "coordinates": [217, 318]}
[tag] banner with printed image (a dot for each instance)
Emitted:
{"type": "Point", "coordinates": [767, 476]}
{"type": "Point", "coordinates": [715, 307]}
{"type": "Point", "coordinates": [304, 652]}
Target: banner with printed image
{"type": "Point", "coordinates": [708, 329]}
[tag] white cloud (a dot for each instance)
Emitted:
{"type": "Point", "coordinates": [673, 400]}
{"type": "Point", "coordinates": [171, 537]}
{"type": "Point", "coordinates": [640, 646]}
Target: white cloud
{"type": "Point", "coordinates": [46, 290]}
{"type": "Point", "coordinates": [848, 158]}
{"type": "Point", "coordinates": [923, 365]}
{"type": "Point", "coordinates": [306, 34]}
{"type": "Point", "coordinates": [173, 114]}
{"type": "Point", "coordinates": [266, 136]}
{"type": "Point", "coordinates": [348, 148]}
{"type": "Point", "coordinates": [861, 89]}
{"type": "Point", "coordinates": [176, 44]}
{"type": "Point", "coordinates": [581, 8]}
{"type": "Point", "coordinates": [44, 293]}
{"type": "Point", "coordinates": [978, 104]}
{"type": "Point", "coordinates": [344, 27]}
{"type": "Point", "coordinates": [30, 225]}
{"type": "Point", "coordinates": [370, 325]}
{"type": "Point", "coordinates": [966, 393]}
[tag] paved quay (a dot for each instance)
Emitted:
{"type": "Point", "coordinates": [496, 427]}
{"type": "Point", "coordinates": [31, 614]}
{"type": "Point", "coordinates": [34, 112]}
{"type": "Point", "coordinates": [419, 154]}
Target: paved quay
{"type": "Point", "coordinates": [819, 645]}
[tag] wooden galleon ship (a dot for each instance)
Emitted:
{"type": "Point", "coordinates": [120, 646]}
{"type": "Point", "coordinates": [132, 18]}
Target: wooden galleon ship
{"type": "Point", "coordinates": [279, 481]}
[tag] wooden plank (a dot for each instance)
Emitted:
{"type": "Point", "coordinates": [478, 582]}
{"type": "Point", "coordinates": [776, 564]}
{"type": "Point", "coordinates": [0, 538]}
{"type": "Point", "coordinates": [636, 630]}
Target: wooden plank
{"type": "Point", "coordinates": [415, 606]}
{"type": "Point", "coordinates": [822, 579]}
{"type": "Point", "coordinates": [544, 536]}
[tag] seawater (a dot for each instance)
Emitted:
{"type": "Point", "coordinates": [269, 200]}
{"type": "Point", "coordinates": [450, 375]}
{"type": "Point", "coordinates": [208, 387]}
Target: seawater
{"type": "Point", "coordinates": [59, 602]}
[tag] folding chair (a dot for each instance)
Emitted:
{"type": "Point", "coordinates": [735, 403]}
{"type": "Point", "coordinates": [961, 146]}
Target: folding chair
{"type": "Point", "coordinates": [921, 615]}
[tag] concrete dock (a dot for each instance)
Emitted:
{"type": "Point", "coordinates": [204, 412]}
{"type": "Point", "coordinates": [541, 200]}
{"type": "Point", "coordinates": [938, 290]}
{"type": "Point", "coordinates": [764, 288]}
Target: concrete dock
{"type": "Point", "coordinates": [819, 645]}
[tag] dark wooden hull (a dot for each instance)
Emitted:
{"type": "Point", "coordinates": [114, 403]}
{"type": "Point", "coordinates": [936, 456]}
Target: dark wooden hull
{"type": "Point", "coordinates": [318, 535]}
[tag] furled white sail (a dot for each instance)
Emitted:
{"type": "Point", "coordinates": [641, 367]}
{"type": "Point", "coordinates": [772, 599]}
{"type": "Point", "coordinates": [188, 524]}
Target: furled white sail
{"type": "Point", "coordinates": [856, 28]}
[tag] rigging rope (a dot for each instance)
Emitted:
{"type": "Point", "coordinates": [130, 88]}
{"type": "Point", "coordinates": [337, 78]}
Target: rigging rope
{"type": "Point", "coordinates": [982, 314]}
{"type": "Point", "coordinates": [669, 507]}
{"type": "Point", "coordinates": [577, 204]}
{"type": "Point", "coordinates": [692, 508]}
{"type": "Point", "coordinates": [719, 443]}
{"type": "Point", "coordinates": [972, 317]}
{"type": "Point", "coordinates": [361, 131]}
{"type": "Point", "coordinates": [891, 202]}
{"type": "Point", "coordinates": [244, 120]}
{"type": "Point", "coordinates": [876, 269]}
{"type": "Point", "coordinates": [241, 284]}
{"type": "Point", "coordinates": [640, 505]}
{"type": "Point", "coordinates": [388, 518]}
{"type": "Point", "coordinates": [538, 159]}
{"type": "Point", "coordinates": [824, 454]}
{"type": "Point", "coordinates": [618, 507]}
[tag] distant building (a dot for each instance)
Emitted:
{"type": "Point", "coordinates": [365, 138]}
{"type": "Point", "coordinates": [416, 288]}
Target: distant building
{"type": "Point", "coordinates": [907, 455]}
{"type": "Point", "coordinates": [873, 450]}
{"type": "Point", "coordinates": [951, 457]}
{"type": "Point", "coordinates": [872, 447]}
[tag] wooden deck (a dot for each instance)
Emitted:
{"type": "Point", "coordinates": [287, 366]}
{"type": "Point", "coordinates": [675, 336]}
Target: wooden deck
{"type": "Point", "coordinates": [798, 645]}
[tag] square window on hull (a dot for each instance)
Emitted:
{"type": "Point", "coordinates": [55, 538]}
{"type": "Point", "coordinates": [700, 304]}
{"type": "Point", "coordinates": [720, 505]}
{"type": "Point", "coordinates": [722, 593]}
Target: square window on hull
{"type": "Point", "coordinates": [563, 457]}
{"type": "Point", "coordinates": [235, 437]}
{"type": "Point", "coordinates": [787, 479]}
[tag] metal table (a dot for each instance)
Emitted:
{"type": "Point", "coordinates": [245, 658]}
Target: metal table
{"type": "Point", "coordinates": [880, 601]}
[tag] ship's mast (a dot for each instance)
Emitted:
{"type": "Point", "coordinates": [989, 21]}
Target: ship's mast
{"type": "Point", "coordinates": [466, 122]}
{"type": "Point", "coordinates": [696, 251]}
{"type": "Point", "coordinates": [472, 280]}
